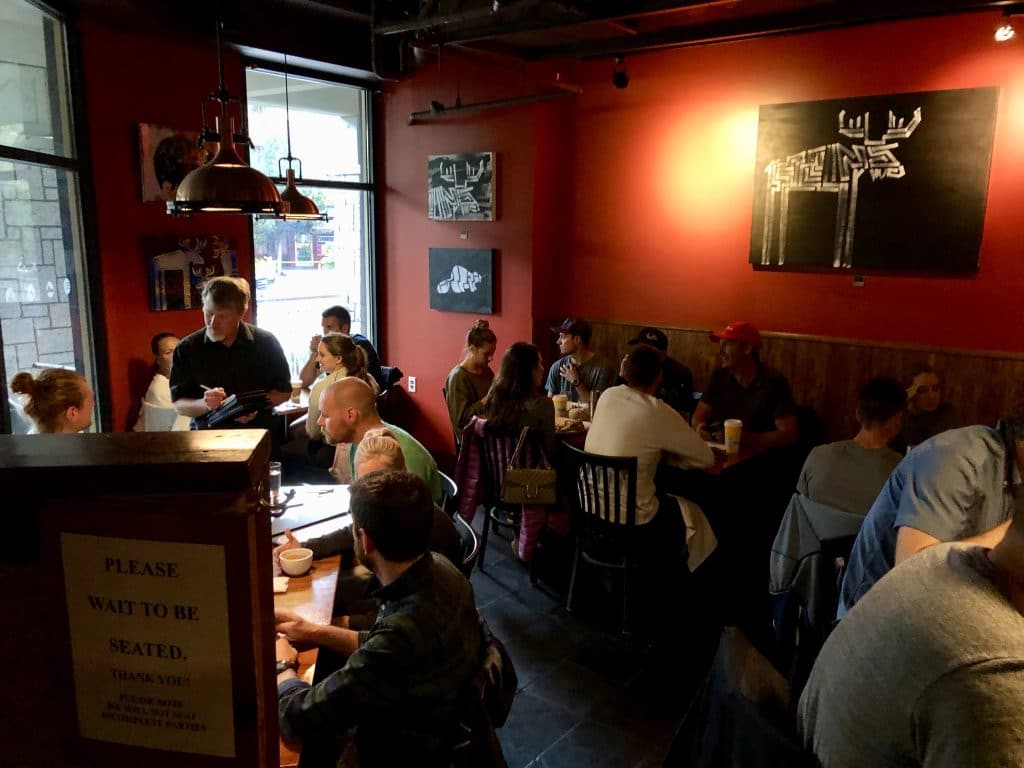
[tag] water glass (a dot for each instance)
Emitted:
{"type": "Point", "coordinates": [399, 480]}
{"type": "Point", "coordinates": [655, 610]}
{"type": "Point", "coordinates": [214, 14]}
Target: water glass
{"type": "Point", "coordinates": [274, 483]}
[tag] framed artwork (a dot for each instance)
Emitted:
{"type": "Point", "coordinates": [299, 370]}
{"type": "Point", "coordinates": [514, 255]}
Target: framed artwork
{"type": "Point", "coordinates": [166, 156]}
{"type": "Point", "coordinates": [461, 187]}
{"type": "Point", "coordinates": [462, 280]}
{"type": "Point", "coordinates": [180, 266]}
{"type": "Point", "coordinates": [896, 182]}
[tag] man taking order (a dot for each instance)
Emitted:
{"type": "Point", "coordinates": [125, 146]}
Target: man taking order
{"type": "Point", "coordinates": [348, 410]}
{"type": "Point", "coordinates": [337, 319]}
{"type": "Point", "coordinates": [580, 370]}
{"type": "Point", "coordinates": [228, 357]}
{"type": "Point", "coordinates": [957, 486]}
{"type": "Point", "coordinates": [399, 688]}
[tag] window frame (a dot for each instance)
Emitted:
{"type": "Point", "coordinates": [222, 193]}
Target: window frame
{"type": "Point", "coordinates": [80, 164]}
{"type": "Point", "coordinates": [371, 89]}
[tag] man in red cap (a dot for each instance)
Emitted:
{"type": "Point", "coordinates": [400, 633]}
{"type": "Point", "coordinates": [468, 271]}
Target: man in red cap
{"type": "Point", "coordinates": [746, 389]}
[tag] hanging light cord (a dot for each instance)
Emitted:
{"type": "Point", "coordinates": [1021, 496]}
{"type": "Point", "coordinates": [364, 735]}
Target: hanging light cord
{"type": "Point", "coordinates": [287, 113]}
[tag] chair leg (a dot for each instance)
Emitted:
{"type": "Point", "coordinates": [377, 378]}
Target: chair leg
{"type": "Point", "coordinates": [572, 579]}
{"type": "Point", "coordinates": [627, 585]}
{"type": "Point", "coordinates": [483, 538]}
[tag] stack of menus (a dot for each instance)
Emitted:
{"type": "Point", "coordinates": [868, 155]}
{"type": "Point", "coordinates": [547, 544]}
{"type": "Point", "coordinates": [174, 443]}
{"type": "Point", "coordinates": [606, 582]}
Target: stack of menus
{"type": "Point", "coordinates": [233, 407]}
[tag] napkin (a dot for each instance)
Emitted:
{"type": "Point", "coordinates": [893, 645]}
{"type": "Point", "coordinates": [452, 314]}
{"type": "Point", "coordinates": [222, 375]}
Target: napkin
{"type": "Point", "coordinates": [280, 584]}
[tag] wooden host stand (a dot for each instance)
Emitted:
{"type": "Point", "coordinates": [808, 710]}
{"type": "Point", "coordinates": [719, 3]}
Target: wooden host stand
{"type": "Point", "coordinates": [137, 601]}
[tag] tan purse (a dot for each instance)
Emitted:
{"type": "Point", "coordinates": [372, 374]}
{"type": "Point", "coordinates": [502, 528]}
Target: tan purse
{"type": "Point", "coordinates": [528, 486]}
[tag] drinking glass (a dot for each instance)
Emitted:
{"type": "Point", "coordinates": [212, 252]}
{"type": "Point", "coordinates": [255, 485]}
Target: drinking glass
{"type": "Point", "coordinates": [274, 484]}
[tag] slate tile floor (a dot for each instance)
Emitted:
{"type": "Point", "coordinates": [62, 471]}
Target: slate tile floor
{"type": "Point", "coordinates": [587, 695]}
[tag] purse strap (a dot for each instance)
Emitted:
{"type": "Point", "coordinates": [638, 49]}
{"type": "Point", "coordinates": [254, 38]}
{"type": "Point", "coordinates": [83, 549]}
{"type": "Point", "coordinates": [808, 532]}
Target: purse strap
{"type": "Point", "coordinates": [513, 463]}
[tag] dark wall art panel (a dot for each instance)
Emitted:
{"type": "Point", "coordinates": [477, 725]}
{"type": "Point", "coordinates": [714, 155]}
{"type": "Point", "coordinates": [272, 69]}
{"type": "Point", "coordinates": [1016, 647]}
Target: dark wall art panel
{"type": "Point", "coordinates": [895, 182]}
{"type": "Point", "coordinates": [462, 280]}
{"type": "Point", "coordinates": [461, 187]}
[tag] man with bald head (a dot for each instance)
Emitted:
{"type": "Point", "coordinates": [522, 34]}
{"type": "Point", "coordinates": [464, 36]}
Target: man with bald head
{"type": "Point", "coordinates": [348, 410]}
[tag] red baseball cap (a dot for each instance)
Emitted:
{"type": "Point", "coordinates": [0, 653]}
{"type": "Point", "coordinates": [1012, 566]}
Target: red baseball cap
{"type": "Point", "coordinates": [741, 331]}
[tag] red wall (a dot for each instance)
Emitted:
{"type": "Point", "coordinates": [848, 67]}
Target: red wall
{"type": "Point", "coordinates": [642, 198]}
{"type": "Point", "coordinates": [424, 342]}
{"type": "Point", "coordinates": [132, 79]}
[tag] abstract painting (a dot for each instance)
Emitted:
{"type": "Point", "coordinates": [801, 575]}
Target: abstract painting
{"type": "Point", "coordinates": [895, 182]}
{"type": "Point", "coordinates": [461, 187]}
{"type": "Point", "coordinates": [181, 266]}
{"type": "Point", "coordinates": [166, 156]}
{"type": "Point", "coordinates": [462, 280]}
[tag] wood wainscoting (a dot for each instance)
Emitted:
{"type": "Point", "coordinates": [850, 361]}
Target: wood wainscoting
{"type": "Point", "coordinates": [826, 373]}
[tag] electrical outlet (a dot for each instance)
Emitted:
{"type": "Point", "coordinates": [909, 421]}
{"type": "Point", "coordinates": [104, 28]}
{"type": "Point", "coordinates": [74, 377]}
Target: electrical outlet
{"type": "Point", "coordinates": [412, 383]}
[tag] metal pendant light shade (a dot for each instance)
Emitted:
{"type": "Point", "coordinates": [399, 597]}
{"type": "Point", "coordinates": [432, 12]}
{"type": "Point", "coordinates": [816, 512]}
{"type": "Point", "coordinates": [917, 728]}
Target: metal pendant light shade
{"type": "Point", "coordinates": [226, 184]}
{"type": "Point", "coordinates": [297, 206]}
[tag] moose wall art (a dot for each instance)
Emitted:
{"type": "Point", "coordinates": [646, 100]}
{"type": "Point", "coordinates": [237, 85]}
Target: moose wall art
{"type": "Point", "coordinates": [893, 182]}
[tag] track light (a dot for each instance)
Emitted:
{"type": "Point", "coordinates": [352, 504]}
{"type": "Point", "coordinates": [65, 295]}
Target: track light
{"type": "Point", "coordinates": [1005, 32]}
{"type": "Point", "coordinates": [620, 79]}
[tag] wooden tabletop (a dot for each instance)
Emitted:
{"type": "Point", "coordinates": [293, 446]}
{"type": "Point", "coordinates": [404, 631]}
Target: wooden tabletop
{"type": "Point", "coordinates": [312, 597]}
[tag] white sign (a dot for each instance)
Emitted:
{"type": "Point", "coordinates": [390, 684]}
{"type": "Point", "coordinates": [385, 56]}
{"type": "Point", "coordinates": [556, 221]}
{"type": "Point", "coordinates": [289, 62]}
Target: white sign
{"type": "Point", "coordinates": [149, 643]}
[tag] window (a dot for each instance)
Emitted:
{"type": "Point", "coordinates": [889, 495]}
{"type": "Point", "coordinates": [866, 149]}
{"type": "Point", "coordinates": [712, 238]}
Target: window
{"type": "Point", "coordinates": [44, 317]}
{"type": "Point", "coordinates": [304, 267]}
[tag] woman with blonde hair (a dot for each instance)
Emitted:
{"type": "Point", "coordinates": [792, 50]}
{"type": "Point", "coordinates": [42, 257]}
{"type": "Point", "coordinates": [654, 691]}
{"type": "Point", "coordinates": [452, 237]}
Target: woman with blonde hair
{"type": "Point", "coordinates": [469, 381]}
{"type": "Point", "coordinates": [59, 400]}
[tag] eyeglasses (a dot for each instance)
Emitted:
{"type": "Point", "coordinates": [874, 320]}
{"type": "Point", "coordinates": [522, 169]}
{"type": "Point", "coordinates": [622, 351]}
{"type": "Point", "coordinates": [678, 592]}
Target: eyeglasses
{"type": "Point", "coordinates": [923, 390]}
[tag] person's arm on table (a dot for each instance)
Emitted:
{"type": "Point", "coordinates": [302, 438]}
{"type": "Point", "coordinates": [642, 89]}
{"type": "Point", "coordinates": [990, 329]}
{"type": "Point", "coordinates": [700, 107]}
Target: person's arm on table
{"type": "Point", "coordinates": [685, 448]}
{"type": "Point", "coordinates": [297, 630]}
{"type": "Point", "coordinates": [786, 432]}
{"type": "Point", "coordinates": [700, 420]}
{"type": "Point", "coordinates": [370, 685]}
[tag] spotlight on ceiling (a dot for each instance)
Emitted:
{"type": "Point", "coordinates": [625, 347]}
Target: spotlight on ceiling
{"type": "Point", "coordinates": [620, 79]}
{"type": "Point", "coordinates": [1005, 32]}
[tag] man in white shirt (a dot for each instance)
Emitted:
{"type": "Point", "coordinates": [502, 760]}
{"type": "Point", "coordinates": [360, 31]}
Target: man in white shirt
{"type": "Point", "coordinates": [631, 421]}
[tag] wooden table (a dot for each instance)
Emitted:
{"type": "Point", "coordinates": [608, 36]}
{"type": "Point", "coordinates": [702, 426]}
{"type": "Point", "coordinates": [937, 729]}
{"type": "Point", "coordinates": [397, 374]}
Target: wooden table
{"type": "Point", "coordinates": [312, 597]}
{"type": "Point", "coordinates": [307, 505]}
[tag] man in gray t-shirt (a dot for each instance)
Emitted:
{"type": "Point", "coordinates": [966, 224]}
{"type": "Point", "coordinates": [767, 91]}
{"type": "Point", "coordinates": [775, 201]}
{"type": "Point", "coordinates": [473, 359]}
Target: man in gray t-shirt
{"type": "Point", "coordinates": [580, 370]}
{"type": "Point", "coordinates": [849, 474]}
{"type": "Point", "coordinates": [927, 669]}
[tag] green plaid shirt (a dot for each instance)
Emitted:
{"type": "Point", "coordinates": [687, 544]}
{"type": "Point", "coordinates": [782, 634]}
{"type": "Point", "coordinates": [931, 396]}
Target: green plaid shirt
{"type": "Point", "coordinates": [400, 687]}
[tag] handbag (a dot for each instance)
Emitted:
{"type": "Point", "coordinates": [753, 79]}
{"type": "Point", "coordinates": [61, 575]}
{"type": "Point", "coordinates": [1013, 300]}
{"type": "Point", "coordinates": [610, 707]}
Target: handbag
{"type": "Point", "coordinates": [528, 486]}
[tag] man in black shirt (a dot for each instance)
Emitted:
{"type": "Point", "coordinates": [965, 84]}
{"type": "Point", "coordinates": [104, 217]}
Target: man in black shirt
{"type": "Point", "coordinates": [676, 388]}
{"type": "Point", "coordinates": [746, 389]}
{"type": "Point", "coordinates": [228, 357]}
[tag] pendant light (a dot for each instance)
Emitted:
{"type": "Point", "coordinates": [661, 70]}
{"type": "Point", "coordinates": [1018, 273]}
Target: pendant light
{"type": "Point", "coordinates": [296, 206]}
{"type": "Point", "coordinates": [225, 184]}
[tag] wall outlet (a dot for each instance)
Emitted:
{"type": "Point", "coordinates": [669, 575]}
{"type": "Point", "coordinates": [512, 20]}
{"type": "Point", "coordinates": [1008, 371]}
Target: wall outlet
{"type": "Point", "coordinates": [412, 383]}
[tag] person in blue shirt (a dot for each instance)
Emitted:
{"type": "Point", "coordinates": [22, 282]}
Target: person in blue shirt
{"type": "Point", "coordinates": [956, 486]}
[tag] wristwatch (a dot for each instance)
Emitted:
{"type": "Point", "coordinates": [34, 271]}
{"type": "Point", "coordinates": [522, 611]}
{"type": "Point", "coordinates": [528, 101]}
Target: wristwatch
{"type": "Point", "coordinates": [283, 664]}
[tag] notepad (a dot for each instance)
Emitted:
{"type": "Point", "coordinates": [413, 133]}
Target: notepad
{"type": "Point", "coordinates": [280, 584]}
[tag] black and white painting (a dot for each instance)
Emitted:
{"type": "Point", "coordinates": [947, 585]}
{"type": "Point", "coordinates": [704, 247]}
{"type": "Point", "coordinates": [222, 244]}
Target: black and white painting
{"type": "Point", "coordinates": [894, 182]}
{"type": "Point", "coordinates": [461, 187]}
{"type": "Point", "coordinates": [462, 280]}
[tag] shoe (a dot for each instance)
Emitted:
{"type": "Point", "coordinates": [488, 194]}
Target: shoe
{"type": "Point", "coordinates": [515, 549]}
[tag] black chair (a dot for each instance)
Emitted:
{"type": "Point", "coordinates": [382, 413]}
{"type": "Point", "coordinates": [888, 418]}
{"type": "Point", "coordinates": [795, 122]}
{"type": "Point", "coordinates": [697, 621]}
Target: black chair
{"type": "Point", "coordinates": [470, 545]}
{"type": "Point", "coordinates": [449, 492]}
{"type": "Point", "coordinates": [497, 452]}
{"type": "Point", "coordinates": [743, 715]}
{"type": "Point", "coordinates": [604, 517]}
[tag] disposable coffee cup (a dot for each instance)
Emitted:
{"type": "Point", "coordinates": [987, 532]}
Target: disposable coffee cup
{"type": "Point", "coordinates": [296, 390]}
{"type": "Point", "coordinates": [733, 431]}
{"type": "Point", "coordinates": [561, 405]}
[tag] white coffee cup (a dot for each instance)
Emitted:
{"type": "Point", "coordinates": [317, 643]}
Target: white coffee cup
{"type": "Point", "coordinates": [295, 562]}
{"type": "Point", "coordinates": [733, 431]}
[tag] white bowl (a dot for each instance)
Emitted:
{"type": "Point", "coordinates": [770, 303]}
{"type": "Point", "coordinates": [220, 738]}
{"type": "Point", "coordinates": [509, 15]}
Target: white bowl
{"type": "Point", "coordinates": [296, 562]}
